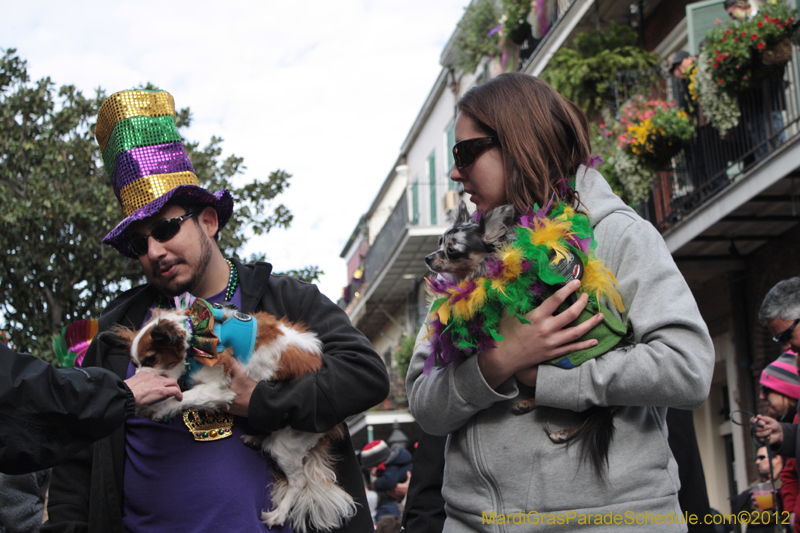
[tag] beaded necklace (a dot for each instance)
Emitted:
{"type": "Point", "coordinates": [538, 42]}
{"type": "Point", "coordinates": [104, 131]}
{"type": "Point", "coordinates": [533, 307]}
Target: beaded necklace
{"type": "Point", "coordinates": [233, 281]}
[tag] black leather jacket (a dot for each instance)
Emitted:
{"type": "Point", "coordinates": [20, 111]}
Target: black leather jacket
{"type": "Point", "coordinates": [47, 415]}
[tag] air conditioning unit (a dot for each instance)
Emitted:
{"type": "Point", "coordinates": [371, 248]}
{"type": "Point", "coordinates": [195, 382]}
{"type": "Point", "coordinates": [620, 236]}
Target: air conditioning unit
{"type": "Point", "coordinates": [449, 200]}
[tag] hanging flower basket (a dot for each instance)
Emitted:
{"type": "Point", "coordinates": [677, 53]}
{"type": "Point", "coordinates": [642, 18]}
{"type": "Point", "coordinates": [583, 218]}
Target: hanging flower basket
{"type": "Point", "coordinates": [653, 131]}
{"type": "Point", "coordinates": [778, 53]}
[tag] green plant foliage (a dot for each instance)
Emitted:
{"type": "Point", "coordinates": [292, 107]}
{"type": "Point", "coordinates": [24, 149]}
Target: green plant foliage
{"type": "Point", "coordinates": [587, 72]}
{"type": "Point", "coordinates": [514, 19]}
{"type": "Point", "coordinates": [473, 41]}
{"type": "Point", "coordinates": [58, 204]}
{"type": "Point", "coordinates": [403, 353]}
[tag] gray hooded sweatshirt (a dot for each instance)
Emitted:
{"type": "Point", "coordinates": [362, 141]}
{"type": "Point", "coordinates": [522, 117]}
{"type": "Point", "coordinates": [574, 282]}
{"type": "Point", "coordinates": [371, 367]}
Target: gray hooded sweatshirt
{"type": "Point", "coordinates": [503, 474]}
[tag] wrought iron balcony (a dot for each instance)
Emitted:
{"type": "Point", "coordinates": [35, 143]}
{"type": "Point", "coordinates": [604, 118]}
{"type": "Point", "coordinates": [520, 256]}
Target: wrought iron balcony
{"type": "Point", "coordinates": [770, 114]}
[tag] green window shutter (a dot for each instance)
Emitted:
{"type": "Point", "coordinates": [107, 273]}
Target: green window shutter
{"type": "Point", "coordinates": [451, 140]}
{"type": "Point", "coordinates": [700, 18]}
{"type": "Point", "coordinates": [415, 202]}
{"type": "Point", "coordinates": [432, 174]}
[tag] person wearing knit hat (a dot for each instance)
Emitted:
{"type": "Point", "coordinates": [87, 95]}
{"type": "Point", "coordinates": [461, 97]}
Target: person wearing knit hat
{"type": "Point", "coordinates": [128, 482]}
{"type": "Point", "coordinates": [780, 386]}
{"type": "Point", "coordinates": [374, 453]}
{"type": "Point", "coordinates": [390, 466]}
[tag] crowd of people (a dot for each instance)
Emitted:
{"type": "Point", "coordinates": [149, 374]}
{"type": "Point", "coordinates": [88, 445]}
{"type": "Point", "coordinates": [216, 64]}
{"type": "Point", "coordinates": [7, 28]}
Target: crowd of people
{"type": "Point", "coordinates": [518, 143]}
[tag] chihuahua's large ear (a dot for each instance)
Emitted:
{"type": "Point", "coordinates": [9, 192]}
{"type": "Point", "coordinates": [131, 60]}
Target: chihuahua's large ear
{"type": "Point", "coordinates": [462, 214]}
{"type": "Point", "coordinates": [496, 223]}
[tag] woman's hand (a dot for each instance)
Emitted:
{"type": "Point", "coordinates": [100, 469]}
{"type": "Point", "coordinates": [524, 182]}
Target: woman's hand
{"type": "Point", "coordinates": [546, 337]}
{"type": "Point", "coordinates": [768, 427]}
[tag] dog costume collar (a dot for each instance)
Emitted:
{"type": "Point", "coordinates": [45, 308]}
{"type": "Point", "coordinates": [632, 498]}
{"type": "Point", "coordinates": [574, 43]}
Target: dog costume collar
{"type": "Point", "coordinates": [210, 330]}
{"type": "Point", "coordinates": [465, 316]}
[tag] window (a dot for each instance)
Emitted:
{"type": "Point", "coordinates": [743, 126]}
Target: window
{"type": "Point", "coordinates": [432, 175]}
{"type": "Point", "coordinates": [700, 18]}
{"type": "Point", "coordinates": [448, 148]}
{"type": "Point", "coordinates": [415, 202]}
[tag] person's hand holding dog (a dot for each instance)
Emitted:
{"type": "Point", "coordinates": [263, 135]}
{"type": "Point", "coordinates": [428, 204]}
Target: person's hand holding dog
{"type": "Point", "coordinates": [149, 387]}
{"type": "Point", "coordinates": [547, 336]}
{"type": "Point", "coordinates": [243, 385]}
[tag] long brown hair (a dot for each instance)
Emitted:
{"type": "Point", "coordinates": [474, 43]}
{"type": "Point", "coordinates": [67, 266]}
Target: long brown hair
{"type": "Point", "coordinates": [543, 136]}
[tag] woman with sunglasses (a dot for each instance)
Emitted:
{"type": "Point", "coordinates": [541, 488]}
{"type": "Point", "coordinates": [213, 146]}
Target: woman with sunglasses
{"type": "Point", "coordinates": [519, 142]}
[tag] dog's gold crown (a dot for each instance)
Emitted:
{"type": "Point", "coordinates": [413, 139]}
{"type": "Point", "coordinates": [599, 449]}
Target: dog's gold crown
{"type": "Point", "coordinates": [208, 425]}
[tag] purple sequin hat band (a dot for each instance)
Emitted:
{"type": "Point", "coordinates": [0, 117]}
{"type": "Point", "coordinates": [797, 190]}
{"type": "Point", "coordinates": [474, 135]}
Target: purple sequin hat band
{"type": "Point", "coordinates": [222, 202]}
{"type": "Point", "coordinates": [149, 160]}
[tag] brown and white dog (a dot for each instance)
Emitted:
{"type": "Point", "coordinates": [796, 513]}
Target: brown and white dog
{"type": "Point", "coordinates": [308, 496]}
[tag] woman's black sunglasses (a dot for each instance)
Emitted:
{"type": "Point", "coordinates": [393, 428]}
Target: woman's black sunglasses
{"type": "Point", "coordinates": [465, 152]}
{"type": "Point", "coordinates": [784, 337]}
{"type": "Point", "coordinates": [162, 232]}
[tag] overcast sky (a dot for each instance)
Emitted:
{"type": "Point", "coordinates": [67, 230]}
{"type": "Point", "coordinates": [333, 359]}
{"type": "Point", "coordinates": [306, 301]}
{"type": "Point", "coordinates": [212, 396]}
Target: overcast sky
{"type": "Point", "coordinates": [324, 90]}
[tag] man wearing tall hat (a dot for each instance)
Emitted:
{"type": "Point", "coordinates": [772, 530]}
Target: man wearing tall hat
{"type": "Point", "coordinates": [156, 476]}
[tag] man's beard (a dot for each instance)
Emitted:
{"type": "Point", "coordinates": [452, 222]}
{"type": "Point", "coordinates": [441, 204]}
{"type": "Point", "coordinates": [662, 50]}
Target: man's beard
{"type": "Point", "coordinates": [199, 273]}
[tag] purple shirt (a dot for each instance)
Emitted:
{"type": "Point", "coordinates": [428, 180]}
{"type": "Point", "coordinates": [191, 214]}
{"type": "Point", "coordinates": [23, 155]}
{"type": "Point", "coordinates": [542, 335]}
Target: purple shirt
{"type": "Point", "coordinates": [174, 483]}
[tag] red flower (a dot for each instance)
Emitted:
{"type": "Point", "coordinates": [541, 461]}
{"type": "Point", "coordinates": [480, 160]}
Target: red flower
{"type": "Point", "coordinates": [727, 32]}
{"type": "Point", "coordinates": [723, 39]}
{"type": "Point", "coordinates": [726, 55]}
{"type": "Point", "coordinates": [760, 24]}
{"type": "Point", "coordinates": [760, 46]}
{"type": "Point", "coordinates": [715, 65]}
{"type": "Point", "coordinates": [719, 58]}
{"type": "Point", "coordinates": [780, 26]}
{"type": "Point", "coordinates": [736, 39]}
{"type": "Point", "coordinates": [754, 37]}
{"type": "Point", "coordinates": [744, 33]}
{"type": "Point", "coordinates": [745, 77]}
{"type": "Point", "coordinates": [791, 19]}
{"type": "Point", "coordinates": [721, 81]}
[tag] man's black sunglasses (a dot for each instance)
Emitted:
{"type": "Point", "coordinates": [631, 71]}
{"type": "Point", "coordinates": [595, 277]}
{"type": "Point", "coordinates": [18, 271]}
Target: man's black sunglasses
{"type": "Point", "coordinates": [784, 337]}
{"type": "Point", "coordinates": [162, 232]}
{"type": "Point", "coordinates": [465, 152]}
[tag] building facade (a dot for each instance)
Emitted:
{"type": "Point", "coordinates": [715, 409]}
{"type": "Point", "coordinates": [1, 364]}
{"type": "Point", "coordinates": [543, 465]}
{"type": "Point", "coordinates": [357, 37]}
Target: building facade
{"type": "Point", "coordinates": [733, 233]}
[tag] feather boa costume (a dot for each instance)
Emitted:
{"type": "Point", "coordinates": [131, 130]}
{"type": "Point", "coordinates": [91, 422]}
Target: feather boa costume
{"type": "Point", "coordinates": [465, 316]}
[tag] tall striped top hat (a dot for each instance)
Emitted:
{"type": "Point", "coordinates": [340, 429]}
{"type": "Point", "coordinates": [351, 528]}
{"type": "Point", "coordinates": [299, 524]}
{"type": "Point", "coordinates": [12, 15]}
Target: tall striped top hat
{"type": "Point", "coordinates": [146, 161]}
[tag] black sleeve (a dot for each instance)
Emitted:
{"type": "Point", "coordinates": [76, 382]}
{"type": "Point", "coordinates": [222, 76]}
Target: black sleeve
{"type": "Point", "coordinates": [48, 415]}
{"type": "Point", "coordinates": [353, 377]}
{"type": "Point", "coordinates": [424, 511]}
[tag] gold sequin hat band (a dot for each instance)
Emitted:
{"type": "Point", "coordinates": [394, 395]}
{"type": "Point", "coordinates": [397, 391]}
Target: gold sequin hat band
{"type": "Point", "coordinates": [146, 161]}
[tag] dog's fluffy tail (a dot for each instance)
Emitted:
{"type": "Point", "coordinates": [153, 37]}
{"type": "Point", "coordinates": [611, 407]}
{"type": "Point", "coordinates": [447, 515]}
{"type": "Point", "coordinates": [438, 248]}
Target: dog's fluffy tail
{"type": "Point", "coordinates": [593, 436]}
{"type": "Point", "coordinates": [322, 504]}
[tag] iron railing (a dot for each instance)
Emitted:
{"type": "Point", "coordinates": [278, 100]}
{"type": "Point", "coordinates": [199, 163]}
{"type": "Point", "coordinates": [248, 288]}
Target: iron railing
{"type": "Point", "coordinates": [770, 115]}
{"type": "Point", "coordinates": [387, 239]}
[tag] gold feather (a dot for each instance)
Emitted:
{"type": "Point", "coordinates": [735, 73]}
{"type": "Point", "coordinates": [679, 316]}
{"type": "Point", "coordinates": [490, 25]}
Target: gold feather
{"type": "Point", "coordinates": [477, 298]}
{"type": "Point", "coordinates": [444, 313]}
{"type": "Point", "coordinates": [600, 281]}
